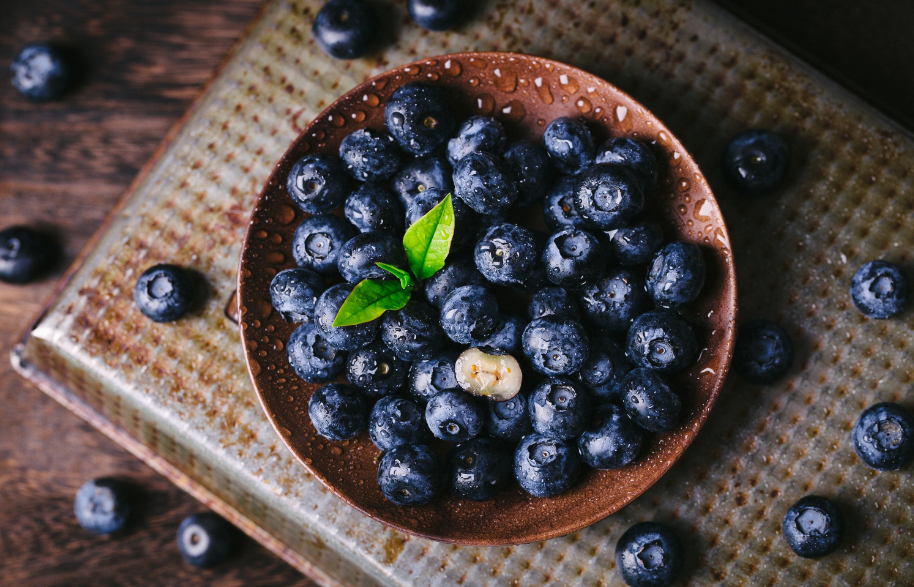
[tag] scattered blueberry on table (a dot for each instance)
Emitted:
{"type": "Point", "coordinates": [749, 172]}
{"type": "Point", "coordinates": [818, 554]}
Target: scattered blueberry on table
{"type": "Point", "coordinates": [437, 15]}
{"type": "Point", "coordinates": [164, 293]}
{"type": "Point", "coordinates": [883, 436]}
{"type": "Point", "coordinates": [813, 527]}
{"type": "Point", "coordinates": [345, 29]}
{"type": "Point", "coordinates": [25, 254]}
{"type": "Point", "coordinates": [103, 506]}
{"type": "Point", "coordinates": [649, 555]}
{"type": "Point", "coordinates": [205, 540]}
{"type": "Point", "coordinates": [756, 161]}
{"type": "Point", "coordinates": [40, 72]}
{"type": "Point", "coordinates": [879, 289]}
{"type": "Point", "coordinates": [763, 353]}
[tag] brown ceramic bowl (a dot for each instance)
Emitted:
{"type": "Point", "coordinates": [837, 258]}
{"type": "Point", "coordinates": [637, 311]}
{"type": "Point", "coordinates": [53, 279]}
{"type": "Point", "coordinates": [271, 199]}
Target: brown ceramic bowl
{"type": "Point", "coordinates": [525, 93]}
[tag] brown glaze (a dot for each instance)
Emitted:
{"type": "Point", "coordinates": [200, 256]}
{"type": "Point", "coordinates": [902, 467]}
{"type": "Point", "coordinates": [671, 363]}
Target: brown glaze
{"type": "Point", "coordinates": [525, 93]}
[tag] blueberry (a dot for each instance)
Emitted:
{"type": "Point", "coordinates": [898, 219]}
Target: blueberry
{"type": "Point", "coordinates": [421, 174]}
{"type": "Point", "coordinates": [205, 540]}
{"type": "Point", "coordinates": [338, 411]}
{"type": "Point", "coordinates": [360, 255]}
{"type": "Point", "coordinates": [103, 506]}
{"type": "Point", "coordinates": [410, 474]}
{"type": "Point", "coordinates": [40, 72]}
{"type": "Point", "coordinates": [413, 332]}
{"type": "Point", "coordinates": [636, 243]}
{"type": "Point", "coordinates": [478, 469]}
{"type": "Point", "coordinates": [755, 162]}
{"type": "Point", "coordinates": [478, 133]}
{"type": "Point", "coordinates": [312, 357]}
{"type": "Point", "coordinates": [345, 29]}
{"type": "Point", "coordinates": [612, 440]}
{"type": "Point", "coordinates": [530, 165]}
{"type": "Point", "coordinates": [294, 293]}
{"type": "Point", "coordinates": [534, 281]}
{"type": "Point", "coordinates": [342, 337]}
{"type": "Point", "coordinates": [884, 436]}
{"type": "Point", "coordinates": [509, 420]}
{"type": "Point", "coordinates": [372, 207]}
{"type": "Point", "coordinates": [764, 352]}
{"type": "Point", "coordinates": [437, 15]}
{"type": "Point", "coordinates": [613, 303]}
{"type": "Point", "coordinates": [318, 183]}
{"type": "Point", "coordinates": [879, 289]}
{"type": "Point", "coordinates": [485, 183]}
{"type": "Point", "coordinates": [574, 258]}
{"type": "Point", "coordinates": [556, 346]}
{"type": "Point", "coordinates": [25, 254]}
{"type": "Point", "coordinates": [812, 527]}
{"type": "Point", "coordinates": [570, 145]}
{"type": "Point", "coordinates": [454, 415]}
{"type": "Point", "coordinates": [607, 196]}
{"type": "Point", "coordinates": [635, 155]}
{"type": "Point", "coordinates": [429, 377]}
{"type": "Point", "coordinates": [375, 370]}
{"type": "Point", "coordinates": [453, 275]}
{"type": "Point", "coordinates": [370, 155]}
{"type": "Point", "coordinates": [558, 207]}
{"type": "Point", "coordinates": [662, 341]}
{"type": "Point", "coordinates": [507, 254]}
{"type": "Point", "coordinates": [508, 335]}
{"type": "Point", "coordinates": [420, 117]}
{"type": "Point", "coordinates": [604, 369]}
{"type": "Point", "coordinates": [163, 293]}
{"type": "Point", "coordinates": [317, 242]}
{"type": "Point", "coordinates": [396, 421]}
{"type": "Point", "coordinates": [559, 408]}
{"type": "Point", "coordinates": [464, 217]}
{"type": "Point", "coordinates": [649, 555]}
{"type": "Point", "coordinates": [553, 301]}
{"type": "Point", "coordinates": [649, 401]}
{"type": "Point", "coordinates": [676, 275]}
{"type": "Point", "coordinates": [469, 314]}
{"type": "Point", "coordinates": [545, 466]}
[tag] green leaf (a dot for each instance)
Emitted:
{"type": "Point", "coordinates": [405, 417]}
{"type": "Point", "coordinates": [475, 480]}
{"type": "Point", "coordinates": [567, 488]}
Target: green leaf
{"type": "Point", "coordinates": [370, 299]}
{"type": "Point", "coordinates": [428, 241]}
{"type": "Point", "coordinates": [406, 280]}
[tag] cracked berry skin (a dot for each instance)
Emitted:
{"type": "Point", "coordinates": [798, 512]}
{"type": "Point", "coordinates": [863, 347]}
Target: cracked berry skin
{"type": "Point", "coordinates": [756, 161]}
{"type": "Point", "coordinates": [318, 183]}
{"type": "Point", "coordinates": [545, 467]}
{"type": "Point", "coordinates": [813, 527]}
{"type": "Point", "coordinates": [318, 240]}
{"type": "Point", "coordinates": [465, 220]}
{"type": "Point", "coordinates": [294, 294]}
{"type": "Point", "coordinates": [649, 401]}
{"type": "Point", "coordinates": [485, 184]}
{"type": "Point", "coordinates": [607, 196]}
{"type": "Point", "coordinates": [40, 72]}
{"type": "Point", "coordinates": [764, 352]}
{"type": "Point", "coordinates": [508, 335]}
{"type": "Point", "coordinates": [649, 555]}
{"type": "Point", "coordinates": [477, 133]}
{"type": "Point", "coordinates": [429, 377]}
{"type": "Point", "coordinates": [509, 420]}
{"type": "Point", "coordinates": [635, 155]}
{"type": "Point", "coordinates": [661, 340]}
{"type": "Point", "coordinates": [312, 357]}
{"type": "Point", "coordinates": [469, 314]}
{"type": "Point", "coordinates": [559, 408]}
{"type": "Point", "coordinates": [360, 255]}
{"type": "Point", "coordinates": [604, 369]}
{"type": "Point", "coordinates": [553, 301]}
{"type": "Point", "coordinates": [574, 258]}
{"type": "Point", "coordinates": [410, 475]}
{"type": "Point", "coordinates": [25, 254]}
{"type": "Point", "coordinates": [530, 165]}
{"type": "Point", "coordinates": [346, 338]}
{"type": "Point", "coordinates": [613, 302]}
{"type": "Point", "coordinates": [345, 29]}
{"type": "Point", "coordinates": [412, 332]}
{"type": "Point", "coordinates": [375, 370]}
{"type": "Point", "coordinates": [437, 15]}
{"type": "Point", "coordinates": [884, 436]}
{"type": "Point", "coordinates": [676, 275]}
{"type": "Point", "coordinates": [453, 275]}
{"type": "Point", "coordinates": [636, 243]}
{"type": "Point", "coordinates": [611, 440]}
{"type": "Point", "coordinates": [163, 293]}
{"type": "Point", "coordinates": [338, 411]}
{"type": "Point", "coordinates": [421, 174]}
{"type": "Point", "coordinates": [371, 207]}
{"type": "Point", "coordinates": [396, 421]}
{"type": "Point", "coordinates": [479, 468]}
{"type": "Point", "coordinates": [558, 207]}
{"type": "Point", "coordinates": [370, 155]}
{"type": "Point", "coordinates": [555, 346]}
{"type": "Point", "coordinates": [570, 145]}
{"type": "Point", "coordinates": [879, 289]}
{"type": "Point", "coordinates": [103, 506]}
{"type": "Point", "coordinates": [205, 540]}
{"type": "Point", "coordinates": [507, 254]}
{"type": "Point", "coordinates": [454, 415]}
{"type": "Point", "coordinates": [420, 117]}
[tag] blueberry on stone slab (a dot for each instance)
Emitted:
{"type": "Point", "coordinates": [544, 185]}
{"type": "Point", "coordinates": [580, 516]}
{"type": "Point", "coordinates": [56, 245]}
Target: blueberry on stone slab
{"type": "Point", "coordinates": [649, 555]}
{"type": "Point", "coordinates": [345, 29]}
{"type": "Point", "coordinates": [103, 505]}
{"type": "Point", "coordinates": [763, 353]}
{"type": "Point", "coordinates": [163, 293]}
{"type": "Point", "coordinates": [410, 475]}
{"type": "Point", "coordinates": [318, 183]}
{"type": "Point", "coordinates": [756, 161]}
{"type": "Point", "coordinates": [884, 436]}
{"type": "Point", "coordinates": [813, 527]}
{"type": "Point", "coordinates": [318, 240]}
{"type": "Point", "coordinates": [879, 289]}
{"type": "Point", "coordinates": [545, 466]}
{"type": "Point", "coordinates": [437, 15]}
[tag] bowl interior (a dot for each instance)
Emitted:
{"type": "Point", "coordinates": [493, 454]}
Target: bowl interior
{"type": "Point", "coordinates": [525, 93]}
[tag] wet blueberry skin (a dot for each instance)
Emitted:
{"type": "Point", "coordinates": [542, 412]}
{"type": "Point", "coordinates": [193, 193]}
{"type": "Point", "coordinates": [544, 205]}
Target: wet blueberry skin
{"type": "Point", "coordinates": [649, 401]}
{"type": "Point", "coordinates": [612, 440]}
{"type": "Point", "coordinates": [375, 370]}
{"type": "Point", "coordinates": [412, 332]}
{"type": "Point", "coordinates": [507, 254]}
{"type": "Point", "coordinates": [469, 314]}
{"type": "Point", "coordinates": [312, 357]}
{"type": "Point", "coordinates": [421, 174]}
{"type": "Point", "coordinates": [338, 411]}
{"type": "Point", "coordinates": [555, 346]}
{"type": "Point", "coordinates": [574, 258]}
{"type": "Point", "coordinates": [420, 117]}
{"type": "Point", "coordinates": [884, 436]}
{"type": "Point", "coordinates": [604, 369]}
{"type": "Point", "coordinates": [318, 240]}
{"type": "Point", "coordinates": [477, 133]}
{"type": "Point", "coordinates": [479, 468]}
{"type": "Point", "coordinates": [205, 540]}
{"type": "Point", "coordinates": [553, 301]}
{"type": "Point", "coordinates": [676, 275]}
{"type": "Point", "coordinates": [437, 15]}
{"type": "Point", "coordinates": [756, 161]}
{"type": "Point", "coordinates": [454, 415]}
{"type": "Point", "coordinates": [370, 155]}
{"type": "Point", "coordinates": [429, 377]}
{"type": "Point", "coordinates": [103, 505]}
{"type": "Point", "coordinates": [879, 289]}
{"type": "Point", "coordinates": [636, 243]}
{"type": "Point", "coordinates": [163, 293]}
{"type": "Point", "coordinates": [373, 207]}
{"type": "Point", "coordinates": [345, 29]}
{"type": "Point", "coordinates": [662, 341]}
{"type": "Point", "coordinates": [318, 183]}
{"type": "Point", "coordinates": [360, 255]}
{"type": "Point", "coordinates": [570, 145]}
{"type": "Point", "coordinates": [530, 165]}
{"type": "Point", "coordinates": [485, 183]}
{"type": "Point", "coordinates": [607, 196]}
{"type": "Point", "coordinates": [395, 421]}
{"type": "Point", "coordinates": [465, 219]}
{"type": "Point", "coordinates": [559, 408]}
{"type": "Point", "coordinates": [508, 335]}
{"type": "Point", "coordinates": [613, 302]}
{"type": "Point", "coordinates": [40, 72]}
{"type": "Point", "coordinates": [633, 154]}
{"type": "Point", "coordinates": [25, 254]}
{"type": "Point", "coordinates": [558, 206]}
{"type": "Point", "coordinates": [649, 555]}
{"type": "Point", "coordinates": [763, 353]}
{"type": "Point", "coordinates": [294, 293]}
{"type": "Point", "coordinates": [342, 337]}
{"type": "Point", "coordinates": [813, 527]}
{"type": "Point", "coordinates": [509, 420]}
{"type": "Point", "coordinates": [410, 475]}
{"type": "Point", "coordinates": [545, 466]}
{"type": "Point", "coordinates": [453, 275]}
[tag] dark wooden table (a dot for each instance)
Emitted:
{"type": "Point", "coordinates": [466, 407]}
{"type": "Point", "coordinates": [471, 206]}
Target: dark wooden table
{"type": "Point", "coordinates": [64, 165]}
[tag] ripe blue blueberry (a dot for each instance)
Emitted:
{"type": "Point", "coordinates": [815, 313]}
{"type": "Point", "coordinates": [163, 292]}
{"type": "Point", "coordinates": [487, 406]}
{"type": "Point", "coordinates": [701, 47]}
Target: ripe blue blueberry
{"type": "Point", "coordinates": [636, 243]}
{"type": "Point", "coordinates": [294, 293]}
{"type": "Point", "coordinates": [437, 15]}
{"type": "Point", "coordinates": [553, 301]}
{"type": "Point", "coordinates": [764, 352]}
{"type": "Point", "coordinates": [813, 527]}
{"type": "Point", "coordinates": [508, 335]}
{"type": "Point", "coordinates": [509, 420]}
{"type": "Point", "coordinates": [755, 162]}
{"type": "Point", "coordinates": [633, 154]}
{"type": "Point", "coordinates": [478, 133]}
{"type": "Point", "coordinates": [345, 29]}
{"type": "Point", "coordinates": [338, 411]}
{"type": "Point", "coordinates": [412, 332]}
{"type": "Point", "coordinates": [312, 357]}
{"type": "Point", "coordinates": [205, 540]}
{"type": "Point", "coordinates": [613, 303]}
{"type": "Point", "coordinates": [478, 469]}
{"type": "Point", "coordinates": [421, 174]}
{"type": "Point", "coordinates": [570, 145]}
{"type": "Point", "coordinates": [879, 289]}
{"type": "Point", "coordinates": [556, 346]}
{"type": "Point", "coordinates": [317, 242]}
{"type": "Point", "coordinates": [454, 415]}
{"type": "Point", "coordinates": [342, 337]}
{"type": "Point", "coordinates": [103, 506]}
{"type": "Point", "coordinates": [25, 254]}
{"type": "Point", "coordinates": [163, 293]}
{"type": "Point", "coordinates": [453, 275]}
{"type": "Point", "coordinates": [485, 183]}
{"type": "Point", "coordinates": [649, 401]}
{"type": "Point", "coordinates": [612, 440]}
{"type": "Point", "coordinates": [40, 72]}
{"type": "Point", "coordinates": [662, 341]}
{"type": "Point", "coordinates": [558, 207]}
{"type": "Point", "coordinates": [607, 196]}
{"type": "Point", "coordinates": [604, 369]}
{"type": "Point", "coordinates": [559, 408]}
{"type": "Point", "coordinates": [429, 377]}
{"type": "Point", "coordinates": [884, 436]}
{"type": "Point", "coordinates": [469, 314]}
{"type": "Point", "coordinates": [676, 275]}
{"type": "Point", "coordinates": [507, 254]}
{"type": "Point", "coordinates": [395, 421]}
{"type": "Point", "coordinates": [545, 466]}
{"type": "Point", "coordinates": [420, 117]}
{"type": "Point", "coordinates": [372, 207]}
{"type": "Point", "coordinates": [649, 555]}
{"type": "Point", "coordinates": [410, 474]}
{"type": "Point", "coordinates": [574, 258]}
{"type": "Point", "coordinates": [464, 218]}
{"type": "Point", "coordinates": [530, 165]}
{"type": "Point", "coordinates": [360, 255]}
{"type": "Point", "coordinates": [375, 370]}
{"type": "Point", "coordinates": [370, 155]}
{"type": "Point", "coordinates": [318, 183]}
